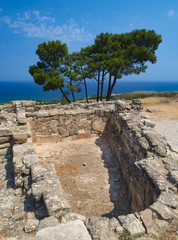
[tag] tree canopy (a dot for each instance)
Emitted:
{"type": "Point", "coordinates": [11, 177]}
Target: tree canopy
{"type": "Point", "coordinates": [111, 57]}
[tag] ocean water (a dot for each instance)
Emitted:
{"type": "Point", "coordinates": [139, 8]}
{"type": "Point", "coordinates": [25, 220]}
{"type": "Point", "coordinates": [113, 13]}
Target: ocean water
{"type": "Point", "coordinates": [30, 91]}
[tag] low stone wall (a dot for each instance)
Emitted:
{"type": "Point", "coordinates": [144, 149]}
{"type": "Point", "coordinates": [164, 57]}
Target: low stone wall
{"type": "Point", "coordinates": [38, 200]}
{"type": "Point", "coordinates": [136, 147]}
{"type": "Point", "coordinates": [68, 120]}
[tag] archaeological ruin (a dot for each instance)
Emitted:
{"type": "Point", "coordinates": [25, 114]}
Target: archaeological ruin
{"type": "Point", "coordinates": [84, 171]}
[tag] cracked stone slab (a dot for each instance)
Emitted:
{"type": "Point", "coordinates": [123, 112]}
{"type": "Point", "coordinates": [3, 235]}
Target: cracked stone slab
{"type": "Point", "coordinates": [163, 211]}
{"type": "Point", "coordinates": [169, 199]}
{"type": "Point", "coordinates": [74, 230]}
{"type": "Point", "coordinates": [101, 228]}
{"type": "Point", "coordinates": [47, 185]}
{"type": "Point", "coordinates": [132, 224]}
{"type": "Point", "coordinates": [48, 222]}
{"type": "Point", "coordinates": [29, 160]}
{"type": "Point", "coordinates": [146, 217]}
{"type": "Point", "coordinates": [31, 225]}
{"type": "Point", "coordinates": [72, 217]}
{"type": "Point", "coordinates": [174, 177]}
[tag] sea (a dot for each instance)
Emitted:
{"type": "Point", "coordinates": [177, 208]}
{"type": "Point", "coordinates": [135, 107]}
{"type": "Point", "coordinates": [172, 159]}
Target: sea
{"type": "Point", "coordinates": [28, 90]}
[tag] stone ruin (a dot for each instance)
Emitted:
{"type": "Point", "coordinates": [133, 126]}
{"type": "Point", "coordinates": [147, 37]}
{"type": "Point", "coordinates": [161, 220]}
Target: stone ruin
{"type": "Point", "coordinates": [32, 202]}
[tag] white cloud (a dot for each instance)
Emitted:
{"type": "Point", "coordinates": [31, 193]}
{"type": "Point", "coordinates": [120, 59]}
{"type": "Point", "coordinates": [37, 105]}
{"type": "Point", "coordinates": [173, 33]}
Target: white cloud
{"type": "Point", "coordinates": [33, 24]}
{"type": "Point", "coordinates": [171, 13]}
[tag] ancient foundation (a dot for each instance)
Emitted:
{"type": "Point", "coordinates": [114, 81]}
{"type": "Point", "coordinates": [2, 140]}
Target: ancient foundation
{"type": "Point", "coordinates": [99, 169]}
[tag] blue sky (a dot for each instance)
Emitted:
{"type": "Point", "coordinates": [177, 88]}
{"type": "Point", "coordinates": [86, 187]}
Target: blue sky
{"type": "Point", "coordinates": [26, 23]}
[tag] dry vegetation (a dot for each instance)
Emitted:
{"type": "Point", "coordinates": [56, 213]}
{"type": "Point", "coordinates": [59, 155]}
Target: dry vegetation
{"type": "Point", "coordinates": [162, 108]}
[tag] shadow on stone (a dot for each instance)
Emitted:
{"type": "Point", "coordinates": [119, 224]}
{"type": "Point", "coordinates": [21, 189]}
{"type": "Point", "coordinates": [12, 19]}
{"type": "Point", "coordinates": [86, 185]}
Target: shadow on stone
{"type": "Point", "coordinates": [9, 169]}
{"type": "Point", "coordinates": [118, 191]}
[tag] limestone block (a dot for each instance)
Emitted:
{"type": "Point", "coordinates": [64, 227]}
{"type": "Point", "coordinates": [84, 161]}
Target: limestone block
{"type": "Point", "coordinates": [31, 225]}
{"type": "Point", "coordinates": [146, 217]}
{"type": "Point", "coordinates": [174, 177]}
{"type": "Point", "coordinates": [115, 226]}
{"type": "Point", "coordinates": [21, 118]}
{"type": "Point", "coordinates": [18, 165]}
{"type": "Point", "coordinates": [75, 230]}
{"type": "Point", "coordinates": [20, 137]}
{"type": "Point", "coordinates": [120, 105]}
{"type": "Point", "coordinates": [5, 140]}
{"type": "Point", "coordinates": [100, 228]}
{"type": "Point", "coordinates": [132, 224]}
{"type": "Point", "coordinates": [48, 222]}
{"type": "Point", "coordinates": [162, 211]}
{"type": "Point", "coordinates": [47, 184]}
{"type": "Point", "coordinates": [169, 199]}
{"type": "Point", "coordinates": [42, 114]}
{"type": "Point", "coordinates": [5, 145]}
{"type": "Point", "coordinates": [37, 190]}
{"type": "Point", "coordinates": [55, 200]}
{"type": "Point", "coordinates": [161, 225]}
{"type": "Point", "coordinates": [3, 152]}
{"type": "Point", "coordinates": [98, 125]}
{"type": "Point", "coordinates": [6, 205]}
{"type": "Point", "coordinates": [149, 124]}
{"type": "Point", "coordinates": [72, 217]}
{"type": "Point", "coordinates": [5, 132]}
{"type": "Point", "coordinates": [156, 143]}
{"type": "Point", "coordinates": [29, 160]}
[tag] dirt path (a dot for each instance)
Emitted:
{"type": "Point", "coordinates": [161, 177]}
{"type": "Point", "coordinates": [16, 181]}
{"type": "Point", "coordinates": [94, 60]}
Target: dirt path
{"type": "Point", "coordinates": [88, 173]}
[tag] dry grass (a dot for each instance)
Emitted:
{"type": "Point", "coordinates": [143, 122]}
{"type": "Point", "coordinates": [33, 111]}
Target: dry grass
{"type": "Point", "coordinates": [163, 108]}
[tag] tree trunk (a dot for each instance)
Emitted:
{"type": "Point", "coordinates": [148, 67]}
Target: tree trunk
{"type": "Point", "coordinates": [65, 95]}
{"type": "Point", "coordinates": [111, 89]}
{"type": "Point", "coordinates": [72, 92]}
{"type": "Point", "coordinates": [109, 86]}
{"type": "Point", "coordinates": [73, 95]}
{"type": "Point", "coordinates": [102, 85]}
{"type": "Point", "coordinates": [98, 87]}
{"type": "Point", "coordinates": [86, 92]}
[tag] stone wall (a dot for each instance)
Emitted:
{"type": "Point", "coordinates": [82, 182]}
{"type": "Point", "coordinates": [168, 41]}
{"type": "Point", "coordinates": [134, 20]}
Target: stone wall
{"type": "Point", "coordinates": [135, 143]}
{"type": "Point", "coordinates": [32, 199]}
{"type": "Point", "coordinates": [65, 121]}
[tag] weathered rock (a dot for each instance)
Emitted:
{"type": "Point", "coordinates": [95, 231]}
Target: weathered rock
{"type": "Point", "coordinates": [174, 177]}
{"type": "Point", "coordinates": [30, 160]}
{"type": "Point", "coordinates": [72, 217]}
{"type": "Point", "coordinates": [48, 222]}
{"type": "Point", "coordinates": [31, 225]}
{"type": "Point", "coordinates": [161, 225]}
{"type": "Point", "coordinates": [115, 226]}
{"type": "Point", "coordinates": [146, 217]}
{"type": "Point", "coordinates": [162, 211]}
{"type": "Point", "coordinates": [100, 229]}
{"type": "Point", "coordinates": [156, 143]}
{"type": "Point", "coordinates": [149, 124]}
{"type": "Point", "coordinates": [47, 185]}
{"type": "Point", "coordinates": [98, 125]}
{"type": "Point", "coordinates": [5, 139]}
{"type": "Point", "coordinates": [5, 145]}
{"type": "Point", "coordinates": [74, 230]}
{"type": "Point", "coordinates": [132, 224]}
{"type": "Point", "coordinates": [20, 138]}
{"type": "Point", "coordinates": [168, 199]}
{"type": "Point", "coordinates": [5, 132]}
